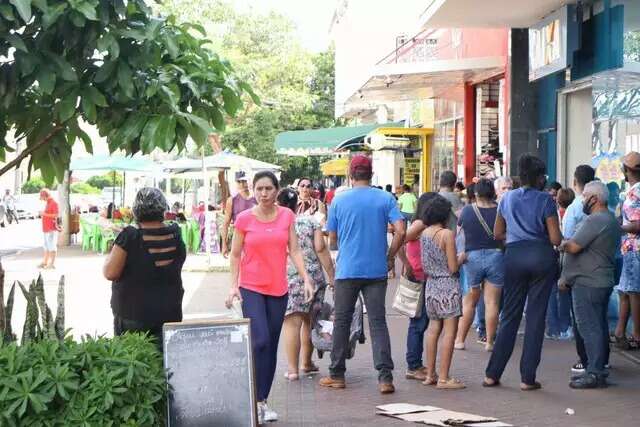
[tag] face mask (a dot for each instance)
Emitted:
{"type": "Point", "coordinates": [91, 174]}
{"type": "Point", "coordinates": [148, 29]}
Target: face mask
{"type": "Point", "coordinates": [587, 206]}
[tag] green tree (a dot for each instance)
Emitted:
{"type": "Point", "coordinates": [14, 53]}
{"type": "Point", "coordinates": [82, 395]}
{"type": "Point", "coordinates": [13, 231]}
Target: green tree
{"type": "Point", "coordinates": [145, 82]}
{"type": "Point", "coordinates": [32, 186]}
{"type": "Point", "coordinates": [110, 179]}
{"type": "Point", "coordinates": [84, 188]}
{"type": "Point", "coordinates": [297, 87]}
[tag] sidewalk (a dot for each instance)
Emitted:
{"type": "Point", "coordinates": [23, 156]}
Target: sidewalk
{"type": "Point", "coordinates": [304, 403]}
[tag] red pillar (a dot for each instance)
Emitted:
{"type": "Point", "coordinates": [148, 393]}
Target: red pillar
{"type": "Point", "coordinates": [469, 132]}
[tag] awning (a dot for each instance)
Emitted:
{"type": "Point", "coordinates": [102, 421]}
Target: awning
{"type": "Point", "coordinates": [422, 80]}
{"type": "Point", "coordinates": [115, 163]}
{"type": "Point", "coordinates": [221, 161]}
{"type": "Point", "coordinates": [491, 14]}
{"type": "Point", "coordinates": [324, 141]}
{"type": "Point", "coordinates": [335, 167]}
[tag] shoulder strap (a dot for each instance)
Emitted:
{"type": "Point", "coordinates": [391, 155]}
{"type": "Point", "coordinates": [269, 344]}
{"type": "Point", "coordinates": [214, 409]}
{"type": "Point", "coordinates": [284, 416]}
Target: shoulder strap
{"type": "Point", "coordinates": [483, 223]}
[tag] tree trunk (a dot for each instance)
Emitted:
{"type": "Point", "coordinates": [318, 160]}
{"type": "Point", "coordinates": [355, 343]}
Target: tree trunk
{"type": "Point", "coordinates": [2, 316]}
{"type": "Point", "coordinates": [64, 201]}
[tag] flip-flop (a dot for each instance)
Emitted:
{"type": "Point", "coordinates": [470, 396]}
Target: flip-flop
{"type": "Point", "coordinates": [310, 369]}
{"type": "Point", "coordinates": [495, 383]}
{"type": "Point", "coordinates": [291, 377]}
{"type": "Point", "coordinates": [450, 384]}
{"type": "Point", "coordinates": [430, 380]}
{"type": "Point", "coordinates": [530, 387]}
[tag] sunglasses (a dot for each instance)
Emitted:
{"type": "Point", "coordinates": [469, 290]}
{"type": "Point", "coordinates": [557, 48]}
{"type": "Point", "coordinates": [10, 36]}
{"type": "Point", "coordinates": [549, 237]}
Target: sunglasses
{"type": "Point", "coordinates": [626, 168]}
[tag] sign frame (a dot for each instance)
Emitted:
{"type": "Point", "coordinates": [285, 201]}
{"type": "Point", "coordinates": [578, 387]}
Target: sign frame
{"type": "Point", "coordinates": [198, 323]}
{"type": "Point", "coordinates": [540, 45]}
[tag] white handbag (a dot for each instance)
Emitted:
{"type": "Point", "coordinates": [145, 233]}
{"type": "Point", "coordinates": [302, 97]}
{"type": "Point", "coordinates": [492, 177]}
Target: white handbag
{"type": "Point", "coordinates": [408, 298]}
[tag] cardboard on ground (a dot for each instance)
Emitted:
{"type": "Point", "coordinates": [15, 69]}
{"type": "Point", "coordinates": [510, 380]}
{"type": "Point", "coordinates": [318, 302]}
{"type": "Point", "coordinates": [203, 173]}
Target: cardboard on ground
{"type": "Point", "coordinates": [443, 418]}
{"type": "Point", "coordinates": [404, 408]}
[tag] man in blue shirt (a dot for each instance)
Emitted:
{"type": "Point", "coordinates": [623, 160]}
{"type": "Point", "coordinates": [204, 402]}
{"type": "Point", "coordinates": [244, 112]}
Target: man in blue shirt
{"type": "Point", "coordinates": [358, 219]}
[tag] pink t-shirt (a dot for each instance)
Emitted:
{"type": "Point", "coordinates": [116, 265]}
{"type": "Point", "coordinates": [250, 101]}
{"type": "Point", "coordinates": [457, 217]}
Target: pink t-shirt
{"type": "Point", "coordinates": [414, 255]}
{"type": "Point", "coordinates": [263, 265]}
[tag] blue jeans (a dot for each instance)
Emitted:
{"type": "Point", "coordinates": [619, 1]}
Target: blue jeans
{"type": "Point", "coordinates": [532, 270]}
{"type": "Point", "coordinates": [558, 312]}
{"type": "Point", "coordinates": [590, 308]}
{"type": "Point", "coordinates": [267, 315]}
{"type": "Point", "coordinates": [415, 339]}
{"type": "Point", "coordinates": [346, 294]}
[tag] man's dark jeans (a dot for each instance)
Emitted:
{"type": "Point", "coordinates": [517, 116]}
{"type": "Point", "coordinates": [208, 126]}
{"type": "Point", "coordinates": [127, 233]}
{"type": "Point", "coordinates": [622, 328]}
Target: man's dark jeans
{"type": "Point", "coordinates": [590, 310]}
{"type": "Point", "coordinates": [532, 269]}
{"type": "Point", "coordinates": [346, 296]}
{"type": "Point", "coordinates": [415, 339]}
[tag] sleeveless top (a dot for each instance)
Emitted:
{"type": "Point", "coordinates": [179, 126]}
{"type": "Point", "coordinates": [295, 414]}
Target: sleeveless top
{"type": "Point", "coordinates": [240, 204]}
{"type": "Point", "coordinates": [308, 207]}
{"type": "Point", "coordinates": [147, 292]}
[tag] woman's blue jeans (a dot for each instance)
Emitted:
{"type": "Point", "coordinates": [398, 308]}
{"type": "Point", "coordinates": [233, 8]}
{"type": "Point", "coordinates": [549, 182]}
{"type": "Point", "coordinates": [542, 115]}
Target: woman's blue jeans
{"type": "Point", "coordinates": [532, 271]}
{"type": "Point", "coordinates": [415, 339]}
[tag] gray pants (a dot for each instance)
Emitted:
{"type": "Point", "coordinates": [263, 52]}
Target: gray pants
{"type": "Point", "coordinates": [346, 295]}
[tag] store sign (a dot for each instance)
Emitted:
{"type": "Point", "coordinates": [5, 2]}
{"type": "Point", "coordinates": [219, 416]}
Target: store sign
{"type": "Point", "coordinates": [411, 169]}
{"type": "Point", "coordinates": [548, 45]}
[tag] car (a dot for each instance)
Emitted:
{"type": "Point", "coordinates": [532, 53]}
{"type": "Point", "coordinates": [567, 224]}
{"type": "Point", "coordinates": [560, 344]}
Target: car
{"type": "Point", "coordinates": [27, 208]}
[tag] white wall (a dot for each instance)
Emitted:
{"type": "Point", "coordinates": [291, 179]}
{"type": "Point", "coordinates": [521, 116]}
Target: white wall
{"type": "Point", "coordinates": [364, 34]}
{"type": "Point", "coordinates": [386, 167]}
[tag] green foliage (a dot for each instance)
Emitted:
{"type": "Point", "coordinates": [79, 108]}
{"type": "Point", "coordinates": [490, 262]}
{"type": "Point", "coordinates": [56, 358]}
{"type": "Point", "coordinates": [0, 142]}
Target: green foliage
{"type": "Point", "coordinates": [84, 188]}
{"type": "Point", "coordinates": [32, 186]}
{"type": "Point", "coordinates": [106, 180]}
{"type": "Point", "coordinates": [39, 323]}
{"type": "Point", "coordinates": [145, 82]}
{"type": "Point", "coordinates": [97, 382]}
{"type": "Point", "coordinates": [297, 87]}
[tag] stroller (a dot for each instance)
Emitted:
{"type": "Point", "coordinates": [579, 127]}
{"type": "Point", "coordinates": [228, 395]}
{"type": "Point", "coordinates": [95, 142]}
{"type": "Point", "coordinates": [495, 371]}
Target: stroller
{"type": "Point", "coordinates": [322, 317]}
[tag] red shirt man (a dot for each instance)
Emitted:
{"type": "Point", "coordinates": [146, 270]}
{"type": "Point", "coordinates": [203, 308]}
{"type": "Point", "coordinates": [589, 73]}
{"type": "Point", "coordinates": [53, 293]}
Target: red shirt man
{"type": "Point", "coordinates": [50, 229]}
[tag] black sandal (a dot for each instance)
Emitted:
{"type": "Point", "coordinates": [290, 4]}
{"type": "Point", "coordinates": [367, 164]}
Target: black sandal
{"type": "Point", "coordinates": [530, 387]}
{"type": "Point", "coordinates": [633, 344]}
{"type": "Point", "coordinates": [495, 383]}
{"type": "Point", "coordinates": [621, 342]}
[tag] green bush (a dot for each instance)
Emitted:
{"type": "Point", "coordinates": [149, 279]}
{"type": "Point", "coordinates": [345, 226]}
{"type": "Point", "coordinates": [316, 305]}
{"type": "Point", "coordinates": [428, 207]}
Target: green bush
{"type": "Point", "coordinates": [96, 382]}
{"type": "Point", "coordinates": [106, 180]}
{"type": "Point", "coordinates": [34, 185]}
{"type": "Point", "coordinates": [84, 188]}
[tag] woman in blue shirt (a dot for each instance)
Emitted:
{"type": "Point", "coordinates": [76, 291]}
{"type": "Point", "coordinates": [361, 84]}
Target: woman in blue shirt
{"type": "Point", "coordinates": [528, 220]}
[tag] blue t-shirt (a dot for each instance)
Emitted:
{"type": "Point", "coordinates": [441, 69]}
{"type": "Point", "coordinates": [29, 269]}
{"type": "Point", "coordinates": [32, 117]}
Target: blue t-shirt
{"type": "Point", "coordinates": [525, 211]}
{"type": "Point", "coordinates": [476, 237]}
{"type": "Point", "coordinates": [360, 217]}
{"type": "Point", "coordinates": [572, 217]}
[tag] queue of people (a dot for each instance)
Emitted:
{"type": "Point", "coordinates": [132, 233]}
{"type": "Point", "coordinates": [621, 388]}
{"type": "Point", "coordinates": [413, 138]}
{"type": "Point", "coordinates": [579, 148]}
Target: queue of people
{"type": "Point", "coordinates": [281, 268]}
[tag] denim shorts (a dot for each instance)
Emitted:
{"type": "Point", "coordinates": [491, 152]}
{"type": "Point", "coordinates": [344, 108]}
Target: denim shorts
{"type": "Point", "coordinates": [50, 242]}
{"type": "Point", "coordinates": [484, 264]}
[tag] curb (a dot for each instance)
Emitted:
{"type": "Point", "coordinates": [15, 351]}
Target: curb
{"type": "Point", "coordinates": [214, 269]}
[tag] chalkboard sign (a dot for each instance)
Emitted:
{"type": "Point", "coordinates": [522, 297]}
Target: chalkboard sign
{"type": "Point", "coordinates": [210, 373]}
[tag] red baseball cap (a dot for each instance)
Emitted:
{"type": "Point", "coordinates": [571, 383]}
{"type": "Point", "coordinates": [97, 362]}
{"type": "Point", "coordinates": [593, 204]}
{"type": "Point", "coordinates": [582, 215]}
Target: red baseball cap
{"type": "Point", "coordinates": [361, 163]}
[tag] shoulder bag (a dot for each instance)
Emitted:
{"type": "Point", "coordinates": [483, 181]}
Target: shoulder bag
{"type": "Point", "coordinates": [484, 224]}
{"type": "Point", "coordinates": [408, 298]}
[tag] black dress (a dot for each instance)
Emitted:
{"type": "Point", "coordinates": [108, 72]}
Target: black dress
{"type": "Point", "coordinates": [149, 291]}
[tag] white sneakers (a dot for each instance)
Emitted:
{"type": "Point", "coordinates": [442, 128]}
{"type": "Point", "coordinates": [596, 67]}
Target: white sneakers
{"type": "Point", "coordinates": [266, 414]}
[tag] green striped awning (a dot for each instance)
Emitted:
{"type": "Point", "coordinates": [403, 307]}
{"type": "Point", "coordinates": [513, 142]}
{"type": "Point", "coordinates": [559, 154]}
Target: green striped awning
{"type": "Point", "coordinates": [324, 141]}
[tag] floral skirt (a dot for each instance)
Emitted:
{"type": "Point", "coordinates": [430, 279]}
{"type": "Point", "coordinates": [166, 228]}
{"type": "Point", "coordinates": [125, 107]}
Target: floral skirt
{"type": "Point", "coordinates": [630, 278]}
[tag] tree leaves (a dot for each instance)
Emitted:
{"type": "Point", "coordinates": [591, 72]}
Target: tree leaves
{"type": "Point", "coordinates": [151, 84]}
{"type": "Point", "coordinates": [24, 8]}
{"type": "Point", "coordinates": [16, 42]}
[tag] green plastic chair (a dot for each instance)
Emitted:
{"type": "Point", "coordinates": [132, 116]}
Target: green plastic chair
{"type": "Point", "coordinates": [107, 236]}
{"type": "Point", "coordinates": [96, 233]}
{"type": "Point", "coordinates": [194, 236]}
{"type": "Point", "coordinates": [186, 236]}
{"type": "Point", "coordinates": [87, 234]}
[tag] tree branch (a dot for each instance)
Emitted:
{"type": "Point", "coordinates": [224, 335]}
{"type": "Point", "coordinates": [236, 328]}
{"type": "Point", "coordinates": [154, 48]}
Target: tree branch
{"type": "Point", "coordinates": [29, 150]}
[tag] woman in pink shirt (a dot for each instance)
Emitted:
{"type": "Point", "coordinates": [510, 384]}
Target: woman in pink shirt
{"type": "Point", "coordinates": [264, 237]}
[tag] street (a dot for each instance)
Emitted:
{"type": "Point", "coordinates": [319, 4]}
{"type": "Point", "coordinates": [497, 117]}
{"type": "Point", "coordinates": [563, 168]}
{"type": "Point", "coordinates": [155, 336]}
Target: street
{"type": "Point", "coordinates": [19, 237]}
{"type": "Point", "coordinates": [305, 403]}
